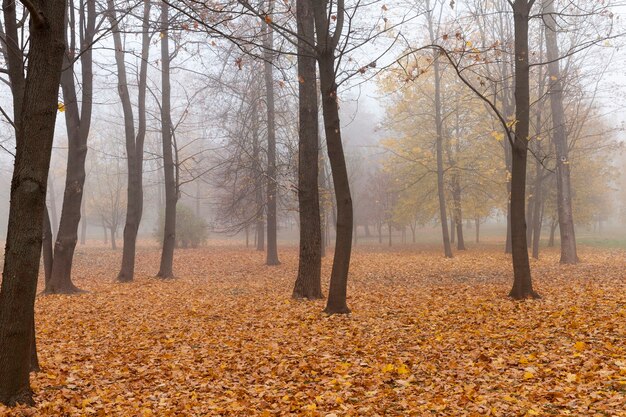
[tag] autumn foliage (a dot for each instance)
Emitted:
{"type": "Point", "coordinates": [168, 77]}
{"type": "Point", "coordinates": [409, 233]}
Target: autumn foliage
{"type": "Point", "coordinates": [427, 336]}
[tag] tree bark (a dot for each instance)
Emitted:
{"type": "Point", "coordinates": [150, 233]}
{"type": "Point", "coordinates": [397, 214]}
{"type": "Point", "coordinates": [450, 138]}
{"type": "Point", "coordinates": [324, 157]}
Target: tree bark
{"type": "Point", "coordinates": [272, 243]}
{"type": "Point", "coordinates": [34, 137]}
{"type": "Point", "coordinates": [522, 283]}
{"type": "Point", "coordinates": [171, 192]}
{"type": "Point", "coordinates": [326, 47]}
{"type": "Point", "coordinates": [78, 123]}
{"type": "Point", "coordinates": [447, 247]}
{"type": "Point", "coordinates": [308, 281]}
{"type": "Point", "coordinates": [134, 149]}
{"type": "Point", "coordinates": [559, 137]}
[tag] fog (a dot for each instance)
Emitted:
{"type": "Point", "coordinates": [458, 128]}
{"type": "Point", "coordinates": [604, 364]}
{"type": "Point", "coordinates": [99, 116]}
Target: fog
{"type": "Point", "coordinates": [316, 208]}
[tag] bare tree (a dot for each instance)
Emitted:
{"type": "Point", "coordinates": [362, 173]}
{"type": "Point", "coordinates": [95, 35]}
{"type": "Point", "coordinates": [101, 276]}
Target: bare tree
{"type": "Point", "coordinates": [78, 122]}
{"type": "Point", "coordinates": [35, 102]}
{"type": "Point", "coordinates": [308, 282]}
{"type": "Point", "coordinates": [134, 139]}
{"type": "Point", "coordinates": [171, 191]}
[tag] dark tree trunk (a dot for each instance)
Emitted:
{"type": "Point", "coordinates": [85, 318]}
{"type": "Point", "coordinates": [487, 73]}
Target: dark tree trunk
{"type": "Point", "coordinates": [327, 45]}
{"type": "Point", "coordinates": [78, 122]}
{"type": "Point", "coordinates": [522, 284]}
{"type": "Point", "coordinates": [34, 136]}
{"type": "Point", "coordinates": [559, 137]}
{"type": "Point", "coordinates": [308, 282]}
{"type": "Point", "coordinates": [34, 359]}
{"type": "Point", "coordinates": [272, 243]}
{"type": "Point", "coordinates": [134, 142]}
{"type": "Point", "coordinates": [343, 241]}
{"type": "Point", "coordinates": [171, 192]}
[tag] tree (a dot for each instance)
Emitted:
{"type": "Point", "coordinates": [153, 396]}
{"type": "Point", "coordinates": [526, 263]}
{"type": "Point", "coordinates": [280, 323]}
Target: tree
{"type": "Point", "coordinates": [326, 46]}
{"type": "Point", "coordinates": [134, 139]}
{"type": "Point", "coordinates": [37, 103]}
{"type": "Point", "coordinates": [559, 137]}
{"type": "Point", "coordinates": [171, 189]}
{"type": "Point", "coordinates": [308, 282]}
{"type": "Point", "coordinates": [78, 122]}
{"type": "Point", "coordinates": [447, 248]}
{"type": "Point", "coordinates": [272, 249]}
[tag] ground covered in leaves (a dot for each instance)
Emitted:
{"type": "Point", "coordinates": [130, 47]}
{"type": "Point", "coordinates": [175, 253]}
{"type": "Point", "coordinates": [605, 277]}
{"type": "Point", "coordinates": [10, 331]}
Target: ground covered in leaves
{"type": "Point", "coordinates": [427, 336]}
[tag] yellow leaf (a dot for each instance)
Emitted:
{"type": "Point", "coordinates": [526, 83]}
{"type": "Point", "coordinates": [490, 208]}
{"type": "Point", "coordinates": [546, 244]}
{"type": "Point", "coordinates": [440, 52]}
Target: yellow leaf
{"type": "Point", "coordinates": [532, 412]}
{"type": "Point", "coordinates": [61, 107]}
{"type": "Point", "coordinates": [571, 377]}
{"type": "Point", "coordinates": [528, 375]}
{"type": "Point", "coordinates": [580, 346]}
{"type": "Point", "coordinates": [388, 368]}
{"type": "Point", "coordinates": [403, 370]}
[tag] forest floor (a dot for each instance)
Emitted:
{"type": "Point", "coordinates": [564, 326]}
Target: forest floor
{"type": "Point", "coordinates": [427, 336]}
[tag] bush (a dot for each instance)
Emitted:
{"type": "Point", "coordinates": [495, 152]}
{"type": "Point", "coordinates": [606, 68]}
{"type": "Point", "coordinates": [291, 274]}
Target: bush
{"type": "Point", "coordinates": [191, 230]}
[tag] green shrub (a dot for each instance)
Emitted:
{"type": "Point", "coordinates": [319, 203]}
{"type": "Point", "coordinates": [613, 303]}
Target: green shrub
{"type": "Point", "coordinates": [191, 230]}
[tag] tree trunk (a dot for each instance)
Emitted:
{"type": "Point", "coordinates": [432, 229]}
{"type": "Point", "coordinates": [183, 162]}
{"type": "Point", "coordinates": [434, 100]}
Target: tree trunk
{"type": "Point", "coordinates": [34, 359]}
{"type": "Point", "coordinates": [389, 234]}
{"type": "Point", "coordinates": [559, 137]}
{"type": "Point", "coordinates": [553, 226]}
{"type": "Point", "coordinates": [134, 143]}
{"type": "Point", "coordinates": [272, 244]}
{"type": "Point", "coordinates": [171, 197]}
{"type": "Point", "coordinates": [522, 284]}
{"type": "Point", "coordinates": [326, 47]}
{"type": "Point", "coordinates": [447, 247]}
{"type": "Point", "coordinates": [78, 123]}
{"type": "Point", "coordinates": [343, 241]}
{"type": "Point", "coordinates": [452, 230]}
{"type": "Point", "coordinates": [34, 137]}
{"type": "Point", "coordinates": [113, 243]}
{"type": "Point", "coordinates": [477, 223]}
{"type": "Point", "coordinates": [308, 281]}
{"type": "Point", "coordinates": [537, 208]}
